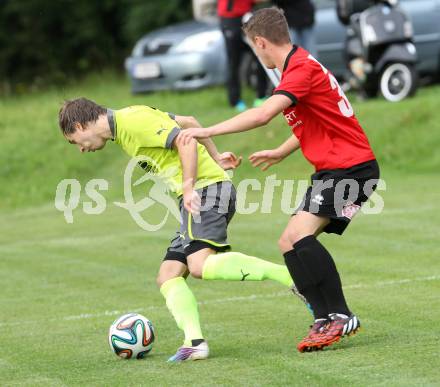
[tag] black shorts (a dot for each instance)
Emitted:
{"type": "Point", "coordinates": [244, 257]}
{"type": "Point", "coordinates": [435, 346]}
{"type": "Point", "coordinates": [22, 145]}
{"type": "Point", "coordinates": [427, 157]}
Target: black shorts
{"type": "Point", "coordinates": [338, 194]}
{"type": "Point", "coordinates": [209, 230]}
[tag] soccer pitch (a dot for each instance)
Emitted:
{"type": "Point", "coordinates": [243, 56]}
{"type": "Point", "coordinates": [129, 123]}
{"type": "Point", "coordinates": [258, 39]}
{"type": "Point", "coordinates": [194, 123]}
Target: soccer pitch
{"type": "Point", "coordinates": [62, 285]}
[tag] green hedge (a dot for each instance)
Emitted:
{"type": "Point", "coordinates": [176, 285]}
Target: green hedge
{"type": "Point", "coordinates": [51, 41]}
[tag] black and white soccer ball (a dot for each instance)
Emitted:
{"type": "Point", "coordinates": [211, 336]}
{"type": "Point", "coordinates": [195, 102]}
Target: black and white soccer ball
{"type": "Point", "coordinates": [131, 336]}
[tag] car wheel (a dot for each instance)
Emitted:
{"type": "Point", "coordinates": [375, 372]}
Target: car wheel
{"type": "Point", "coordinates": [398, 81]}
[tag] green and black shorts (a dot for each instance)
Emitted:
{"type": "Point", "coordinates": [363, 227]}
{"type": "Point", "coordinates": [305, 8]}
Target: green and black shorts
{"type": "Point", "coordinates": [209, 229]}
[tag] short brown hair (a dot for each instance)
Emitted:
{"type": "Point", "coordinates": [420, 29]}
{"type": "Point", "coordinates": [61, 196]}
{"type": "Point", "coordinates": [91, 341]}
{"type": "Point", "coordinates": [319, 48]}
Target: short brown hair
{"type": "Point", "coordinates": [80, 110]}
{"type": "Point", "coordinates": [268, 23]}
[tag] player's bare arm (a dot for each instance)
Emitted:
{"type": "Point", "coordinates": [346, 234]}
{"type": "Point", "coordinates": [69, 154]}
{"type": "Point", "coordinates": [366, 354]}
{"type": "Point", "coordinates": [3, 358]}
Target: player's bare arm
{"type": "Point", "coordinates": [250, 119]}
{"type": "Point", "coordinates": [266, 158]}
{"type": "Point", "coordinates": [188, 160]}
{"type": "Point", "coordinates": [227, 160]}
{"type": "Point", "coordinates": [186, 122]}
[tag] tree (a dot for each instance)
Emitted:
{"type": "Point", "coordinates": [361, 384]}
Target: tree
{"type": "Point", "coordinates": [50, 41]}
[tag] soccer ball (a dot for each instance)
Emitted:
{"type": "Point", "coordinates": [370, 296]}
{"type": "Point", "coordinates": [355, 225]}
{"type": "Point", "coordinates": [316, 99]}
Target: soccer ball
{"type": "Point", "coordinates": [131, 336]}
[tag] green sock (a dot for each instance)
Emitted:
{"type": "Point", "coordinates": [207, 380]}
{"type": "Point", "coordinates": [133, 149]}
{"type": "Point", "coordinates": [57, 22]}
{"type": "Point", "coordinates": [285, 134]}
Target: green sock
{"type": "Point", "coordinates": [183, 306]}
{"type": "Point", "coordinates": [239, 267]}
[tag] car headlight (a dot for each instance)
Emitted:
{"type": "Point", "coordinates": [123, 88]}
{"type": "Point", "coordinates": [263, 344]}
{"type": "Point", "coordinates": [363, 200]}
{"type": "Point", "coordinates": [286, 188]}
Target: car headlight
{"type": "Point", "coordinates": [199, 42]}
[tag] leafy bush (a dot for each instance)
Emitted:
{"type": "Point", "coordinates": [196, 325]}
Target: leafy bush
{"type": "Point", "coordinates": [47, 41]}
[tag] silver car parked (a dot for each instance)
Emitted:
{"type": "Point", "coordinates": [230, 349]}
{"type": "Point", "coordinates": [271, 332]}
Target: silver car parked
{"type": "Point", "coordinates": [189, 55]}
{"type": "Point", "coordinates": [192, 55]}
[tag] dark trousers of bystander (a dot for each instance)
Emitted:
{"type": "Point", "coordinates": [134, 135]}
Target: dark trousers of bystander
{"type": "Point", "coordinates": [235, 48]}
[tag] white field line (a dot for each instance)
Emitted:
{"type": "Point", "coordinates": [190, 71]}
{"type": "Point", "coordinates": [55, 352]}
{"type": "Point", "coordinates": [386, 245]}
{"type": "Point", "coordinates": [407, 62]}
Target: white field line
{"type": "Point", "coordinates": [5, 223]}
{"type": "Point", "coordinates": [219, 301]}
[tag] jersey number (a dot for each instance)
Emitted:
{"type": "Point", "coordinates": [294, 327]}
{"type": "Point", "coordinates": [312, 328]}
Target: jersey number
{"type": "Point", "coordinates": [343, 104]}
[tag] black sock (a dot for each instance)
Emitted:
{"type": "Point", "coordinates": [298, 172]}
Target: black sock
{"type": "Point", "coordinates": [305, 285]}
{"type": "Point", "coordinates": [322, 270]}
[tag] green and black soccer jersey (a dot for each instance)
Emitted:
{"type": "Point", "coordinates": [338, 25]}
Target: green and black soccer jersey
{"type": "Point", "coordinates": [148, 132]}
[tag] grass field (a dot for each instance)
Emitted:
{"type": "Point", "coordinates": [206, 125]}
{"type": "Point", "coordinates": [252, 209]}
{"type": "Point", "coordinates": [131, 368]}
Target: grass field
{"type": "Point", "coordinates": [62, 285]}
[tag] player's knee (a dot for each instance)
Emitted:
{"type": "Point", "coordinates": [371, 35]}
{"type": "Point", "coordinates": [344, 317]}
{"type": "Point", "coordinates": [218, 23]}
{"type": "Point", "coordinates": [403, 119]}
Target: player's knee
{"type": "Point", "coordinates": [196, 270]}
{"type": "Point", "coordinates": [284, 244]}
{"type": "Point", "coordinates": [163, 277]}
{"type": "Point", "coordinates": [160, 279]}
{"type": "Point", "coordinates": [297, 234]}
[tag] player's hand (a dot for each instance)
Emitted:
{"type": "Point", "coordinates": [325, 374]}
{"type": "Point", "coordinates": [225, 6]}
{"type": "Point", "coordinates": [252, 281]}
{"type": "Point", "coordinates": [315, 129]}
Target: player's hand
{"type": "Point", "coordinates": [228, 160]}
{"type": "Point", "coordinates": [192, 202]}
{"type": "Point", "coordinates": [265, 159]}
{"type": "Point", "coordinates": [186, 135]}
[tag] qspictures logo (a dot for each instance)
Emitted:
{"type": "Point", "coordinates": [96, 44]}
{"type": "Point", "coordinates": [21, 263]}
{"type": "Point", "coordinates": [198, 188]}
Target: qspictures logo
{"type": "Point", "coordinates": [274, 194]}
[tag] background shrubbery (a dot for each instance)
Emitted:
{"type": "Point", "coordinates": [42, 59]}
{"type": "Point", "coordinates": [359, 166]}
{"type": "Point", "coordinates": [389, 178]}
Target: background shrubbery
{"type": "Point", "coordinates": [50, 41]}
